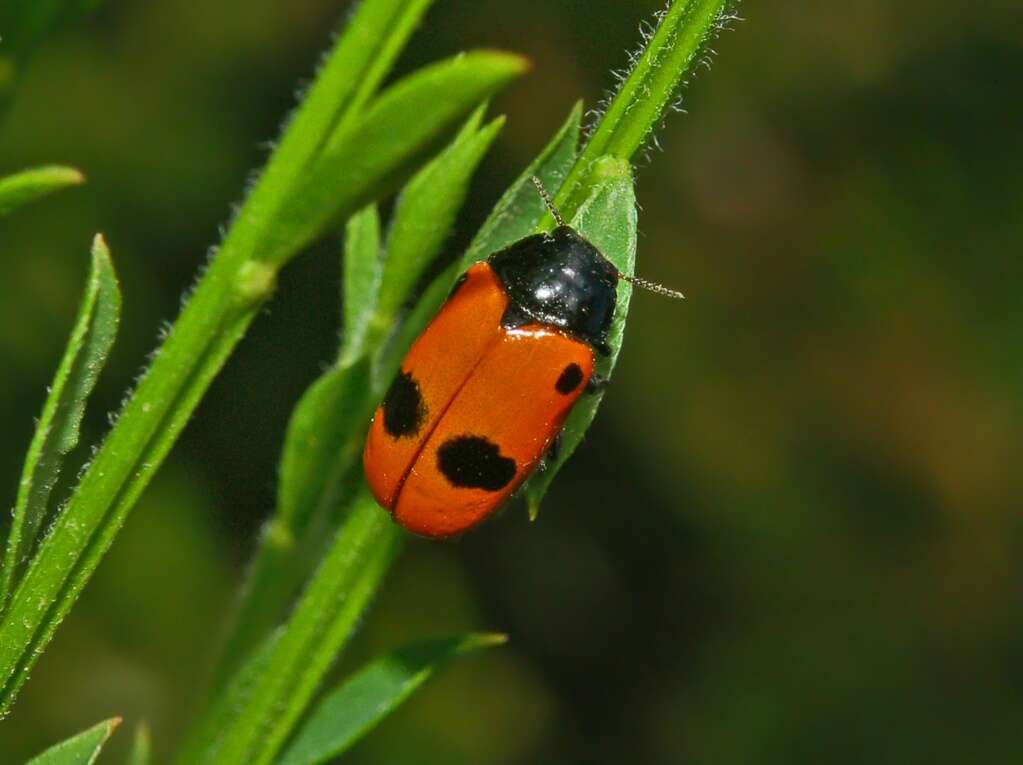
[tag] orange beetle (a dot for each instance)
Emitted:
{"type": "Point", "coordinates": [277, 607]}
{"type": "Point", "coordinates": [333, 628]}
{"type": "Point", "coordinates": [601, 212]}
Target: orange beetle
{"type": "Point", "coordinates": [485, 389]}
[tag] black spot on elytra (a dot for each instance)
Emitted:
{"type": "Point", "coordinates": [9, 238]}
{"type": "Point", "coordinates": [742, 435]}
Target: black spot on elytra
{"type": "Point", "coordinates": [473, 462]}
{"type": "Point", "coordinates": [570, 379]}
{"type": "Point", "coordinates": [404, 410]}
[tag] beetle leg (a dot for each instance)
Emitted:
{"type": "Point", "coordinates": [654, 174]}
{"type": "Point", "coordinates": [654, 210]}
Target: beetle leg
{"type": "Point", "coordinates": [551, 455]}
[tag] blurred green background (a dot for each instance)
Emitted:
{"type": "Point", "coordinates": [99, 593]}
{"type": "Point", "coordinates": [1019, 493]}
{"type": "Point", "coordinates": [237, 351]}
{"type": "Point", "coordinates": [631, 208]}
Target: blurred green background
{"type": "Point", "coordinates": [794, 534]}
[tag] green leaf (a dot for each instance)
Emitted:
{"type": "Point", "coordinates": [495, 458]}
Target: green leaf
{"type": "Point", "coordinates": [520, 209]}
{"type": "Point", "coordinates": [370, 155]}
{"type": "Point", "coordinates": [607, 219]}
{"type": "Point", "coordinates": [367, 697]}
{"type": "Point", "coordinates": [23, 187]}
{"type": "Point", "coordinates": [204, 738]}
{"type": "Point", "coordinates": [425, 213]}
{"type": "Point", "coordinates": [323, 620]}
{"type": "Point", "coordinates": [82, 749]}
{"type": "Point", "coordinates": [331, 409]}
{"type": "Point", "coordinates": [638, 107]}
{"type": "Point", "coordinates": [362, 266]}
{"type": "Point", "coordinates": [57, 430]}
{"type": "Point", "coordinates": [141, 746]}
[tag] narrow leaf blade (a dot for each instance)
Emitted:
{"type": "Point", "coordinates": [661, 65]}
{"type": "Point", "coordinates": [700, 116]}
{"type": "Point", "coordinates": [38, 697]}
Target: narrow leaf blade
{"type": "Point", "coordinates": [608, 219]}
{"type": "Point", "coordinates": [58, 428]}
{"type": "Point", "coordinates": [322, 444]}
{"type": "Point", "coordinates": [204, 738]}
{"type": "Point", "coordinates": [426, 210]}
{"type": "Point", "coordinates": [82, 749]}
{"type": "Point", "coordinates": [362, 267]}
{"type": "Point", "coordinates": [20, 188]}
{"type": "Point", "coordinates": [520, 209]}
{"type": "Point", "coordinates": [367, 697]}
{"type": "Point", "coordinates": [141, 752]}
{"type": "Point", "coordinates": [307, 646]}
{"type": "Point", "coordinates": [371, 155]}
{"type": "Point", "coordinates": [321, 425]}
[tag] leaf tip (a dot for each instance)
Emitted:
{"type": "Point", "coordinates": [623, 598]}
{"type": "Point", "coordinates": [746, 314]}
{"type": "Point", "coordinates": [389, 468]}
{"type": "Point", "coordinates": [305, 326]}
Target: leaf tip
{"type": "Point", "coordinates": [279, 535]}
{"type": "Point", "coordinates": [103, 265]}
{"type": "Point", "coordinates": [492, 128]}
{"type": "Point", "coordinates": [486, 639]}
{"type": "Point", "coordinates": [575, 117]}
{"type": "Point", "coordinates": [68, 176]}
{"type": "Point", "coordinates": [518, 62]}
{"type": "Point", "coordinates": [141, 745]}
{"type": "Point", "coordinates": [533, 507]}
{"type": "Point", "coordinates": [59, 176]}
{"type": "Point", "coordinates": [512, 64]}
{"type": "Point", "coordinates": [473, 123]}
{"type": "Point", "coordinates": [108, 727]}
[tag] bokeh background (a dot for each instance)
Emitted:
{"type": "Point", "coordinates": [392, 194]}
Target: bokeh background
{"type": "Point", "coordinates": [794, 534]}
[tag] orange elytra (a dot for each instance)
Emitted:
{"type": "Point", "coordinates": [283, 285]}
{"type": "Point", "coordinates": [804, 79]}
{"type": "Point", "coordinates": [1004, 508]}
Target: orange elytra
{"type": "Point", "coordinates": [484, 390]}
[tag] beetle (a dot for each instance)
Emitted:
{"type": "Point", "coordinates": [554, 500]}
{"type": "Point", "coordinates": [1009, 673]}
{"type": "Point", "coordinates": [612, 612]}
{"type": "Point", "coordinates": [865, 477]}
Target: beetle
{"type": "Point", "coordinates": [484, 391]}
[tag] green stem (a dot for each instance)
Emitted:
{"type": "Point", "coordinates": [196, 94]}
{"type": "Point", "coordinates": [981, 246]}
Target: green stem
{"type": "Point", "coordinates": [638, 107]}
{"type": "Point", "coordinates": [281, 563]}
{"type": "Point", "coordinates": [322, 622]}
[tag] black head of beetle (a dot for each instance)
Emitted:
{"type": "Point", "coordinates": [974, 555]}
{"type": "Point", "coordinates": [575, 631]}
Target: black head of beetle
{"type": "Point", "coordinates": [559, 279]}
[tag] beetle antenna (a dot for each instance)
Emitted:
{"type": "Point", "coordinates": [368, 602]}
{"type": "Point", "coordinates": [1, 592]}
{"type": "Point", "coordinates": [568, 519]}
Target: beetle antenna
{"type": "Point", "coordinates": [646, 284]}
{"type": "Point", "coordinates": [547, 200]}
